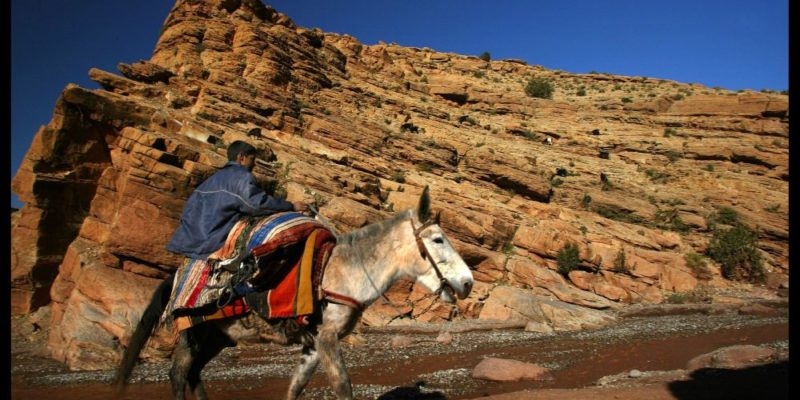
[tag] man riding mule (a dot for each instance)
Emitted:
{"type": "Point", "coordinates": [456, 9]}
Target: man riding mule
{"type": "Point", "coordinates": [360, 268]}
{"type": "Point", "coordinates": [222, 200]}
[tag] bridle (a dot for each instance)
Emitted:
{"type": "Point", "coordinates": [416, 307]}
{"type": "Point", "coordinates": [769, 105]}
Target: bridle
{"type": "Point", "coordinates": [423, 251]}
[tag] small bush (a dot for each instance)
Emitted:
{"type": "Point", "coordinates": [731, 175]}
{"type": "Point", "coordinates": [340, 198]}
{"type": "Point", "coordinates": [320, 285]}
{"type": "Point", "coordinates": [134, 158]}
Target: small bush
{"type": "Point", "coordinates": [670, 220]}
{"type": "Point", "coordinates": [568, 258]}
{"type": "Point", "coordinates": [425, 166]}
{"type": "Point", "coordinates": [736, 251]}
{"type": "Point", "coordinates": [693, 296]}
{"type": "Point", "coordinates": [724, 215]}
{"type": "Point", "coordinates": [657, 176]}
{"type": "Point", "coordinates": [627, 100]}
{"type": "Point", "coordinates": [697, 263]}
{"type": "Point", "coordinates": [539, 87]}
{"type": "Point", "coordinates": [585, 201]}
{"type": "Point", "coordinates": [399, 176]}
{"type": "Point", "coordinates": [669, 132]}
{"type": "Point", "coordinates": [622, 216]}
{"type": "Point", "coordinates": [508, 248]}
{"type": "Point", "coordinates": [619, 263]}
{"type": "Point", "coordinates": [530, 135]}
{"type": "Point", "coordinates": [673, 155]}
{"type": "Point", "coordinates": [485, 56]}
{"type": "Point", "coordinates": [581, 92]}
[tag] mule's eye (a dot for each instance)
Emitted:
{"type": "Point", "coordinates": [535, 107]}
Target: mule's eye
{"type": "Point", "coordinates": [438, 240]}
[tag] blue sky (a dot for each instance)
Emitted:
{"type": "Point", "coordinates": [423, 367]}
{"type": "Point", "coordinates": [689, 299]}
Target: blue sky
{"type": "Point", "coordinates": [733, 44]}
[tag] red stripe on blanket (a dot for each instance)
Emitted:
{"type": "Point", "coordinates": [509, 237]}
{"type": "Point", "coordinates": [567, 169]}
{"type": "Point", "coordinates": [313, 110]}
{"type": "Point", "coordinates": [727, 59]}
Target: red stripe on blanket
{"type": "Point", "coordinates": [200, 285]}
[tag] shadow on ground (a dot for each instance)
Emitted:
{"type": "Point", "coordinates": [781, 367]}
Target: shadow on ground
{"type": "Point", "coordinates": [769, 381]}
{"type": "Point", "coordinates": [411, 393]}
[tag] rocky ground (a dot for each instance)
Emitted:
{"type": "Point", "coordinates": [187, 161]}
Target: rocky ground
{"type": "Point", "coordinates": [645, 355]}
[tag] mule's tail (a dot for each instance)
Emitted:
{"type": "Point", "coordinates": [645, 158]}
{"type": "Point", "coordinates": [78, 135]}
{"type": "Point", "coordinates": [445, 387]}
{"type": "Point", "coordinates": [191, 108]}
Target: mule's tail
{"type": "Point", "coordinates": [145, 328]}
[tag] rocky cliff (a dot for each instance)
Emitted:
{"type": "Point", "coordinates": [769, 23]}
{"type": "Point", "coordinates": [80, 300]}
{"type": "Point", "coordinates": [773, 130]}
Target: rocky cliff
{"type": "Point", "coordinates": [630, 169]}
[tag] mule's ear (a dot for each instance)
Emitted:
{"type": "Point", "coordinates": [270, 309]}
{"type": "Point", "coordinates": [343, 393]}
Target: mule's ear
{"type": "Point", "coordinates": [438, 217]}
{"type": "Point", "coordinates": [424, 208]}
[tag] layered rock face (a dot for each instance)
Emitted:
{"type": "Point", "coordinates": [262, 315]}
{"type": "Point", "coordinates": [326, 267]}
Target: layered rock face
{"type": "Point", "coordinates": [360, 130]}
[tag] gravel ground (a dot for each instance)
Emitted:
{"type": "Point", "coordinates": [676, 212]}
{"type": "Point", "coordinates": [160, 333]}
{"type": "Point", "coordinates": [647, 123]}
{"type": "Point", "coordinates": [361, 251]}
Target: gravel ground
{"type": "Point", "coordinates": [423, 369]}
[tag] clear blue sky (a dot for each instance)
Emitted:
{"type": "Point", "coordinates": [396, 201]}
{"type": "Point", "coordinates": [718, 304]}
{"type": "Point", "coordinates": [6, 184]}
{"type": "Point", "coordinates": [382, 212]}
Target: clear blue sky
{"type": "Point", "coordinates": [733, 44]}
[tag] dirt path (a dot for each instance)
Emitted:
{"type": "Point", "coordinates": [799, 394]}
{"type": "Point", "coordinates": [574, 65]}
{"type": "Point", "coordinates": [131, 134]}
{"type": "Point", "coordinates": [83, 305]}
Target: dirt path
{"type": "Point", "coordinates": [426, 369]}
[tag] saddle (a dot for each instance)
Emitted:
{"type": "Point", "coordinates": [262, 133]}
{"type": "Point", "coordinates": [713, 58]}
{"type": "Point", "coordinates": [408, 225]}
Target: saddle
{"type": "Point", "coordinates": [271, 265]}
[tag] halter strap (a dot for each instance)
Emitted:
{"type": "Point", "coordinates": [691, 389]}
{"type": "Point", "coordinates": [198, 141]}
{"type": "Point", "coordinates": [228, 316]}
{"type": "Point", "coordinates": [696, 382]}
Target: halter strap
{"type": "Point", "coordinates": [337, 298]}
{"type": "Point", "coordinates": [426, 254]}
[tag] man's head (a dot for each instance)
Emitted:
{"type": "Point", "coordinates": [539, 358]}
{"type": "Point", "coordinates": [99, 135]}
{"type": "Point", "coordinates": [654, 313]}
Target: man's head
{"type": "Point", "coordinates": [242, 153]}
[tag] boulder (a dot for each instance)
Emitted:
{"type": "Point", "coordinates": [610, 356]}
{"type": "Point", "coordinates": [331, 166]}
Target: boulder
{"type": "Point", "coordinates": [503, 370]}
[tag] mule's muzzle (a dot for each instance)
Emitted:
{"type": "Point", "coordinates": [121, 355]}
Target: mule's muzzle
{"type": "Point", "coordinates": [463, 288]}
{"type": "Point", "coordinates": [460, 289]}
{"type": "Point", "coordinates": [466, 288]}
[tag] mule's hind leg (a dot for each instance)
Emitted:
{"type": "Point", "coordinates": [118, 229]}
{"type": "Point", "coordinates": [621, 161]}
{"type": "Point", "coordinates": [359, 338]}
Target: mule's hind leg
{"type": "Point", "coordinates": [181, 363]}
{"type": "Point", "coordinates": [209, 341]}
{"type": "Point", "coordinates": [303, 372]}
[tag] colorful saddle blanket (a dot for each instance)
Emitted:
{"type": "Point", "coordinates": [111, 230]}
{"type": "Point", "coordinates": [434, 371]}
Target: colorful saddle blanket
{"type": "Point", "coordinates": [290, 250]}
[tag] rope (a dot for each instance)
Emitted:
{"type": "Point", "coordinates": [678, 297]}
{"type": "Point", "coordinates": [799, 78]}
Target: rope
{"type": "Point", "coordinates": [325, 221]}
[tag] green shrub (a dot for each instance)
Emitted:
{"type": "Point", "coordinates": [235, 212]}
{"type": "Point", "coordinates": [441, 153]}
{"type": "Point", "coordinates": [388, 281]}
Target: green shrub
{"type": "Point", "coordinates": [736, 251]}
{"type": "Point", "coordinates": [581, 92]}
{"type": "Point", "coordinates": [673, 155]}
{"type": "Point", "coordinates": [539, 87]}
{"type": "Point", "coordinates": [568, 258]}
{"type": "Point", "coordinates": [617, 215]}
{"type": "Point", "coordinates": [656, 176]}
{"type": "Point", "coordinates": [670, 220]}
{"type": "Point", "coordinates": [399, 176]}
{"type": "Point", "coordinates": [425, 166]}
{"type": "Point", "coordinates": [585, 201]}
{"type": "Point", "coordinates": [697, 263]}
{"type": "Point", "coordinates": [508, 248]}
{"type": "Point", "coordinates": [485, 56]}
{"type": "Point", "coordinates": [723, 215]}
{"type": "Point", "coordinates": [669, 132]}
{"type": "Point", "coordinates": [530, 135]}
{"type": "Point", "coordinates": [619, 263]}
{"type": "Point", "coordinates": [627, 100]}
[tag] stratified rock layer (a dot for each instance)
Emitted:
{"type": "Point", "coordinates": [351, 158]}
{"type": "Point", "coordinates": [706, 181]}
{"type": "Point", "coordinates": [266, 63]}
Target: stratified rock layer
{"type": "Point", "coordinates": [359, 130]}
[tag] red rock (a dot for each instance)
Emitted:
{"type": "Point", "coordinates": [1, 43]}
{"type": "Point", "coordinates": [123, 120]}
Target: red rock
{"type": "Point", "coordinates": [503, 370]}
{"type": "Point", "coordinates": [731, 357]}
{"type": "Point", "coordinates": [759, 310]}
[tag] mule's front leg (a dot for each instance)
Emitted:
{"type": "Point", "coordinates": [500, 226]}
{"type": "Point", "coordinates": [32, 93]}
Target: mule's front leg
{"type": "Point", "coordinates": [303, 372]}
{"type": "Point", "coordinates": [332, 361]}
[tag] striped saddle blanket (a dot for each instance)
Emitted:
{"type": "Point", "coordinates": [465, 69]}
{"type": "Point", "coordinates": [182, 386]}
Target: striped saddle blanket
{"type": "Point", "coordinates": [290, 251]}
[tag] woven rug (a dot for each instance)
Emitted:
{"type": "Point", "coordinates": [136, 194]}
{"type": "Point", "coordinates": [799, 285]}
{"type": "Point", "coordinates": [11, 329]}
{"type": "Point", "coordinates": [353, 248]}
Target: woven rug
{"type": "Point", "coordinates": [290, 288]}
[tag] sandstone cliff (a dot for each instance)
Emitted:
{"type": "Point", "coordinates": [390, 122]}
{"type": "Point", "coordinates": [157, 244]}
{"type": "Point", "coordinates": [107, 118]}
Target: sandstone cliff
{"type": "Point", "coordinates": [359, 130]}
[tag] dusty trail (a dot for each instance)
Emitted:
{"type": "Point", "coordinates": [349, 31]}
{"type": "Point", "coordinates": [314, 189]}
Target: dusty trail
{"type": "Point", "coordinates": [430, 370]}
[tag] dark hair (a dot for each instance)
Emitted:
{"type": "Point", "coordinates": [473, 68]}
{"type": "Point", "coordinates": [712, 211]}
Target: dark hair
{"type": "Point", "coordinates": [240, 147]}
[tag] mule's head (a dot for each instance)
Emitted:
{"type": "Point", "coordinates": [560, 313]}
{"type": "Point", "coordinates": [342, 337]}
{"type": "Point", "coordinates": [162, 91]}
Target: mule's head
{"type": "Point", "coordinates": [439, 264]}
